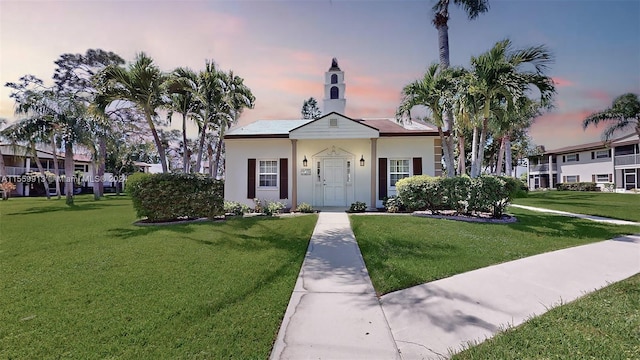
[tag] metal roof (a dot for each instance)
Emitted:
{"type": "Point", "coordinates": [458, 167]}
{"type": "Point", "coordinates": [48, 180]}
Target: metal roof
{"type": "Point", "coordinates": [268, 127]}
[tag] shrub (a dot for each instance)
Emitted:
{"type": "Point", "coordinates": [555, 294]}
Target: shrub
{"type": "Point", "coordinates": [393, 204]}
{"type": "Point", "coordinates": [489, 194]}
{"type": "Point", "coordinates": [358, 206]}
{"type": "Point", "coordinates": [305, 208]}
{"type": "Point", "coordinates": [420, 192]}
{"type": "Point", "coordinates": [272, 208]}
{"type": "Point", "coordinates": [456, 193]}
{"type": "Point", "coordinates": [578, 186]}
{"type": "Point", "coordinates": [163, 197]}
{"type": "Point", "coordinates": [235, 208]}
{"type": "Point", "coordinates": [515, 187]}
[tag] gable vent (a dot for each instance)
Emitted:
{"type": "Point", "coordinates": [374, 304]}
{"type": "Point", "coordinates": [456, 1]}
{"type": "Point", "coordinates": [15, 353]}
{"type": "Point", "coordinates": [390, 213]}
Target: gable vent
{"type": "Point", "coordinates": [333, 122]}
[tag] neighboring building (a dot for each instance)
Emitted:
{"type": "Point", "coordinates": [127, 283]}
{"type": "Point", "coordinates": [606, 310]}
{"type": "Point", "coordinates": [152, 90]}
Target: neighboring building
{"type": "Point", "coordinates": [616, 162]}
{"type": "Point", "coordinates": [19, 165]}
{"type": "Point", "coordinates": [331, 161]}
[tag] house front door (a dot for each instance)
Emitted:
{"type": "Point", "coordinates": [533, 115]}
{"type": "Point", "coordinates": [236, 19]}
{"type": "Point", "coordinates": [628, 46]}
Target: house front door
{"type": "Point", "coordinates": [334, 182]}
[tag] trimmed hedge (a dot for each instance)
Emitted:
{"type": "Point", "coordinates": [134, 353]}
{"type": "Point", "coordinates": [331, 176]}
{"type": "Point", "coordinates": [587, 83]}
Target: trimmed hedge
{"type": "Point", "coordinates": [165, 197]}
{"type": "Point", "coordinates": [579, 186]}
{"type": "Point", "coordinates": [462, 194]}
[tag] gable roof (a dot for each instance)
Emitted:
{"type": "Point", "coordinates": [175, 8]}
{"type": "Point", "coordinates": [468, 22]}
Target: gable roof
{"type": "Point", "coordinates": [283, 128]}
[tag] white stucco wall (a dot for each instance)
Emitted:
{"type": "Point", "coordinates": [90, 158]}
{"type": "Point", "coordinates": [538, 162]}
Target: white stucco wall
{"type": "Point", "coordinates": [237, 153]}
{"type": "Point", "coordinates": [585, 167]}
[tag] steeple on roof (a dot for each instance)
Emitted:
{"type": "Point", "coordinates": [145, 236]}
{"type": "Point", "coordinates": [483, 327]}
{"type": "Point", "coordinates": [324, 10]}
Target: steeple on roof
{"type": "Point", "coordinates": [334, 65]}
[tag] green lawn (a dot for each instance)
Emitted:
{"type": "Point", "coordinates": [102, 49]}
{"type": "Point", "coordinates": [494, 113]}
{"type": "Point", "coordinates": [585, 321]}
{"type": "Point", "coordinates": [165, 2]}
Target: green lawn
{"type": "Point", "coordinates": [618, 206]}
{"type": "Point", "coordinates": [602, 325]}
{"type": "Point", "coordinates": [82, 282]}
{"type": "Point", "coordinates": [403, 251]}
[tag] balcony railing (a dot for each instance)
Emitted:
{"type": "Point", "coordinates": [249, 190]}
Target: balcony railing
{"type": "Point", "coordinates": [627, 159]}
{"type": "Point", "coordinates": [543, 167]}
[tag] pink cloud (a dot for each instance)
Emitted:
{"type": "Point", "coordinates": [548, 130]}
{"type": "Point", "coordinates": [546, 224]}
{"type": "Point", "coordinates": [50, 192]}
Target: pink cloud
{"type": "Point", "coordinates": [599, 95]}
{"type": "Point", "coordinates": [558, 129]}
{"type": "Point", "coordinates": [562, 82]}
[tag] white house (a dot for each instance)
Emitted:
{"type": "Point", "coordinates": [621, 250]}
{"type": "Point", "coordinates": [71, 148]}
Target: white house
{"type": "Point", "coordinates": [616, 162]}
{"type": "Point", "coordinates": [332, 161]}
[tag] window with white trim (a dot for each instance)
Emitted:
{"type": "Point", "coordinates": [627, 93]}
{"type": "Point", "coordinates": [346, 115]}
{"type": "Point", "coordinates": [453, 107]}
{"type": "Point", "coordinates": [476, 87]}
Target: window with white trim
{"type": "Point", "coordinates": [572, 178]}
{"type": "Point", "coordinates": [398, 169]}
{"type": "Point", "coordinates": [268, 173]}
{"type": "Point", "coordinates": [572, 157]}
{"type": "Point", "coordinates": [602, 178]}
{"type": "Point", "coordinates": [602, 154]}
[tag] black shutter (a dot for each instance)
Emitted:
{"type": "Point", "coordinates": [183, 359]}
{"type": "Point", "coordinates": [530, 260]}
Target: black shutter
{"type": "Point", "coordinates": [563, 158]}
{"type": "Point", "coordinates": [382, 178]}
{"type": "Point", "coordinates": [609, 152]}
{"type": "Point", "coordinates": [593, 155]}
{"type": "Point", "coordinates": [251, 178]}
{"type": "Point", "coordinates": [417, 166]}
{"type": "Point", "coordinates": [577, 157]}
{"type": "Point", "coordinates": [284, 179]}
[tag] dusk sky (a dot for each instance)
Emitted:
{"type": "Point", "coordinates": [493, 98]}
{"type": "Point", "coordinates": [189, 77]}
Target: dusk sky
{"type": "Point", "coordinates": [283, 48]}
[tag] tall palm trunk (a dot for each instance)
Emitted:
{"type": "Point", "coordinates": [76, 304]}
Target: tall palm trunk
{"type": "Point", "coordinates": [462, 156]}
{"type": "Point", "coordinates": [500, 161]}
{"type": "Point", "coordinates": [68, 171]}
{"type": "Point", "coordinates": [474, 152]}
{"type": "Point", "coordinates": [185, 148]}
{"type": "Point", "coordinates": [508, 161]}
{"type": "Point", "coordinates": [481, 146]}
{"type": "Point", "coordinates": [55, 165]}
{"type": "Point", "coordinates": [98, 184]}
{"type": "Point", "coordinates": [203, 134]}
{"type": "Point", "coordinates": [445, 150]}
{"type": "Point", "coordinates": [210, 152]}
{"type": "Point", "coordinates": [156, 139]}
{"type": "Point", "coordinates": [45, 182]}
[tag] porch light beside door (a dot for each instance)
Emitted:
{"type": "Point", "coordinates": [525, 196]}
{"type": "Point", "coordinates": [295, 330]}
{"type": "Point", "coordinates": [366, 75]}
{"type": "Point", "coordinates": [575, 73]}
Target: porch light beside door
{"type": "Point", "coordinates": [361, 160]}
{"type": "Point", "coordinates": [304, 161]}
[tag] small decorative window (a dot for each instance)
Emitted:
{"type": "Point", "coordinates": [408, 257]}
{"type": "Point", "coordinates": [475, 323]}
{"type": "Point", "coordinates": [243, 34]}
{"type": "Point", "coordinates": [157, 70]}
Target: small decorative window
{"type": "Point", "coordinates": [268, 173]}
{"type": "Point", "coordinates": [348, 171]}
{"type": "Point", "coordinates": [318, 171]}
{"type": "Point", "coordinates": [398, 169]}
{"type": "Point", "coordinates": [602, 178]}
{"type": "Point", "coordinates": [572, 157]}
{"type": "Point", "coordinates": [334, 78]}
{"type": "Point", "coordinates": [333, 122]}
{"type": "Point", "coordinates": [602, 154]}
{"type": "Point", "coordinates": [572, 178]}
{"type": "Point", "coordinates": [80, 167]}
{"type": "Point", "coordinates": [335, 93]}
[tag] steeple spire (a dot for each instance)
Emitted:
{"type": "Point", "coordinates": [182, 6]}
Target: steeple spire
{"type": "Point", "coordinates": [334, 88]}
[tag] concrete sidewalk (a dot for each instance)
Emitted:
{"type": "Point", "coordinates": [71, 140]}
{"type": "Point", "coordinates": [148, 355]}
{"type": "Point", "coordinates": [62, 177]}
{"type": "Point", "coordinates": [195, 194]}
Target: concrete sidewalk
{"type": "Point", "coordinates": [333, 312]}
{"type": "Point", "coordinates": [430, 320]}
{"type": "Point", "coordinates": [581, 216]}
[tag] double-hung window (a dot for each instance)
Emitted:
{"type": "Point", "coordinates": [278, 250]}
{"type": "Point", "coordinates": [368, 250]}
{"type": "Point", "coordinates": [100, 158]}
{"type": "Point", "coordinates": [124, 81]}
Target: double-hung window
{"type": "Point", "coordinates": [572, 178]}
{"type": "Point", "coordinates": [602, 178]}
{"type": "Point", "coordinates": [602, 154]}
{"type": "Point", "coordinates": [572, 157]}
{"type": "Point", "coordinates": [398, 169]}
{"type": "Point", "coordinates": [268, 173]}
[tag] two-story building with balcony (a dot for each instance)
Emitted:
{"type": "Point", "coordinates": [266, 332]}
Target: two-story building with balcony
{"type": "Point", "coordinates": [616, 162]}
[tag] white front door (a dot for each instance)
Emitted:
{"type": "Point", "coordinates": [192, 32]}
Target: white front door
{"type": "Point", "coordinates": [334, 182]}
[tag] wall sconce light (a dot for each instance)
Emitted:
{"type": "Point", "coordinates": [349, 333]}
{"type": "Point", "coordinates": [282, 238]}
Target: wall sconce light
{"type": "Point", "coordinates": [361, 160]}
{"type": "Point", "coordinates": [304, 161]}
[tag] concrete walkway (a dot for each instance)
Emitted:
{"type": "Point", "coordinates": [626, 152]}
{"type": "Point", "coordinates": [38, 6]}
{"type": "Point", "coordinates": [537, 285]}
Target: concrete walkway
{"type": "Point", "coordinates": [334, 312]}
{"type": "Point", "coordinates": [581, 216]}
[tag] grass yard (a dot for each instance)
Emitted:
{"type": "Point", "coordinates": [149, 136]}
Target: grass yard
{"type": "Point", "coordinates": [403, 251]}
{"type": "Point", "coordinates": [601, 325]}
{"type": "Point", "coordinates": [82, 282]}
{"type": "Point", "coordinates": [618, 206]}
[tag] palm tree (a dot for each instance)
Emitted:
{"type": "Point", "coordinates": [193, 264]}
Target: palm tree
{"type": "Point", "coordinates": [501, 76]}
{"type": "Point", "coordinates": [624, 113]}
{"type": "Point", "coordinates": [209, 94]}
{"type": "Point", "coordinates": [181, 87]}
{"type": "Point", "coordinates": [472, 8]}
{"type": "Point", "coordinates": [237, 97]}
{"type": "Point", "coordinates": [142, 85]}
{"type": "Point", "coordinates": [435, 91]}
